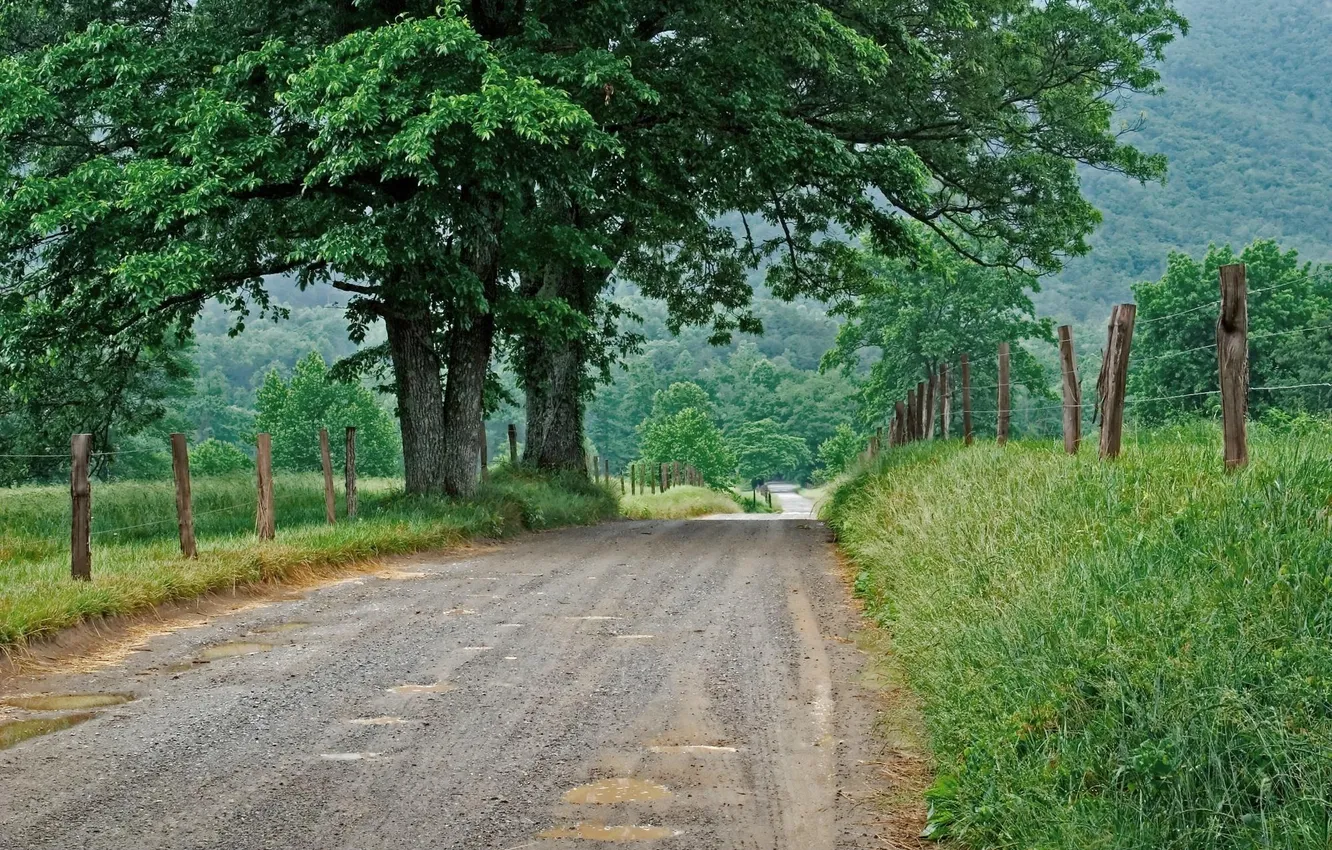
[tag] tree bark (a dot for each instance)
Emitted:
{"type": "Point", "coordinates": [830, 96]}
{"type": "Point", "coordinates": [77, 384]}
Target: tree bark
{"type": "Point", "coordinates": [555, 372]}
{"type": "Point", "coordinates": [420, 393]}
{"type": "Point", "coordinates": [469, 350]}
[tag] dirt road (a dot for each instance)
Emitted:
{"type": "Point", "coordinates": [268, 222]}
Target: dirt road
{"type": "Point", "coordinates": [679, 684]}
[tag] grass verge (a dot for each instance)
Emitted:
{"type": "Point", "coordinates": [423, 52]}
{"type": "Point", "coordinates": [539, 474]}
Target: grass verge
{"type": "Point", "coordinates": [680, 502]}
{"type": "Point", "coordinates": [1112, 655]}
{"type": "Point", "coordinates": [140, 565]}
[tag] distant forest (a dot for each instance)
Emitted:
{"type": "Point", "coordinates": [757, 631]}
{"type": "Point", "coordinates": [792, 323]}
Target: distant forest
{"type": "Point", "coordinates": [1246, 122]}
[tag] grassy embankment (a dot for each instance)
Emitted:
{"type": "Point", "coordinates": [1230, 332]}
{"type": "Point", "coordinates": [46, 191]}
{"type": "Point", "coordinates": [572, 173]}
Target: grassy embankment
{"type": "Point", "coordinates": [1114, 655]}
{"type": "Point", "coordinates": [139, 565]}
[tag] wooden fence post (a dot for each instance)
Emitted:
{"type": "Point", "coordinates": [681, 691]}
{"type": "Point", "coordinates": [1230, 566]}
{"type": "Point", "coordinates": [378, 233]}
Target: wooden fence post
{"type": "Point", "coordinates": [1072, 391]}
{"type": "Point", "coordinates": [80, 496]}
{"type": "Point", "coordinates": [349, 472]}
{"type": "Point", "coordinates": [1232, 355]}
{"type": "Point", "coordinates": [967, 436]}
{"type": "Point", "coordinates": [945, 403]}
{"type": "Point", "coordinates": [899, 423]}
{"type": "Point", "coordinates": [265, 523]}
{"type": "Point", "coordinates": [920, 410]}
{"type": "Point", "coordinates": [1116, 380]}
{"type": "Point", "coordinates": [326, 458]}
{"type": "Point", "coordinates": [622, 490]}
{"type": "Point", "coordinates": [1005, 399]}
{"type": "Point", "coordinates": [929, 405]}
{"type": "Point", "coordinates": [912, 416]}
{"type": "Point", "coordinates": [180, 470]}
{"type": "Point", "coordinates": [665, 475]}
{"type": "Point", "coordinates": [513, 444]}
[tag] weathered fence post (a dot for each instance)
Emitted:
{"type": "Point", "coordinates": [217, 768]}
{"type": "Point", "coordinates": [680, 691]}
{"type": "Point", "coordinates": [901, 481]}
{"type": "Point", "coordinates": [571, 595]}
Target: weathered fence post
{"type": "Point", "coordinates": [899, 424]}
{"type": "Point", "coordinates": [180, 470]}
{"type": "Point", "coordinates": [967, 436]}
{"type": "Point", "coordinates": [945, 402]}
{"type": "Point", "coordinates": [1116, 380]}
{"type": "Point", "coordinates": [513, 444]}
{"type": "Point", "coordinates": [1005, 399]}
{"type": "Point", "coordinates": [326, 458]}
{"type": "Point", "coordinates": [912, 416]}
{"type": "Point", "coordinates": [349, 472]}
{"type": "Point", "coordinates": [622, 490]}
{"type": "Point", "coordinates": [80, 496]}
{"type": "Point", "coordinates": [665, 477]}
{"type": "Point", "coordinates": [1232, 355]}
{"type": "Point", "coordinates": [265, 523]}
{"type": "Point", "coordinates": [929, 406]}
{"type": "Point", "coordinates": [1072, 391]}
{"type": "Point", "coordinates": [920, 410]}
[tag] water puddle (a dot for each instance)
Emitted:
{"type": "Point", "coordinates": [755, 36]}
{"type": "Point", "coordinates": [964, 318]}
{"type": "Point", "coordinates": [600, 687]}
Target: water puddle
{"type": "Point", "coordinates": [233, 650]}
{"type": "Point", "coordinates": [281, 628]}
{"type": "Point", "coordinates": [66, 702]}
{"type": "Point", "coordinates": [509, 626]}
{"type": "Point", "coordinates": [599, 832]}
{"type": "Point", "coordinates": [477, 648]}
{"type": "Point", "coordinates": [376, 721]}
{"type": "Point", "coordinates": [437, 688]}
{"type": "Point", "coordinates": [634, 637]}
{"type": "Point", "coordinates": [693, 749]}
{"type": "Point", "coordinates": [510, 658]}
{"type": "Point", "coordinates": [459, 612]}
{"type": "Point", "coordinates": [611, 791]}
{"type": "Point", "coordinates": [17, 731]}
{"type": "Point", "coordinates": [348, 756]}
{"type": "Point", "coordinates": [594, 618]}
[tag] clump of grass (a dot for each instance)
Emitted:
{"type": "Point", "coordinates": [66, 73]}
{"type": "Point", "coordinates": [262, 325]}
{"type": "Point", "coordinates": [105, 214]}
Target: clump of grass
{"type": "Point", "coordinates": [1117, 655]}
{"type": "Point", "coordinates": [140, 568]}
{"type": "Point", "coordinates": [680, 502]}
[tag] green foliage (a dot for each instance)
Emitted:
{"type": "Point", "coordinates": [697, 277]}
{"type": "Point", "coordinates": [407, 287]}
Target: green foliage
{"type": "Point", "coordinates": [214, 457]}
{"type": "Point", "coordinates": [1290, 333]}
{"type": "Point", "coordinates": [679, 396]}
{"type": "Point", "coordinates": [689, 437]}
{"type": "Point", "coordinates": [931, 310]}
{"type": "Point", "coordinates": [1246, 124]}
{"type": "Point", "coordinates": [293, 412]}
{"type": "Point", "coordinates": [1120, 655]}
{"type": "Point", "coordinates": [764, 452]}
{"type": "Point", "coordinates": [837, 453]}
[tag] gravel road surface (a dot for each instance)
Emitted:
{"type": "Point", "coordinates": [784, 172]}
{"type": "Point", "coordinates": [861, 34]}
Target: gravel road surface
{"type": "Point", "coordinates": [667, 684]}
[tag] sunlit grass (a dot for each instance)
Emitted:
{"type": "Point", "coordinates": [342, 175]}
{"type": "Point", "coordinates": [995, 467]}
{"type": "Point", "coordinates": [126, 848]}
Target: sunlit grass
{"type": "Point", "coordinates": [1114, 655]}
{"type": "Point", "coordinates": [142, 566]}
{"type": "Point", "coordinates": [680, 502]}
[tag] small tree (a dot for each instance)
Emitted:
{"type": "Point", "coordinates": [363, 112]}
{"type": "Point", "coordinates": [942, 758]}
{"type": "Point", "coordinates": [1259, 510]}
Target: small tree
{"type": "Point", "coordinates": [838, 451]}
{"type": "Point", "coordinates": [294, 411]}
{"type": "Point", "coordinates": [689, 437]}
{"type": "Point", "coordinates": [763, 451]}
{"type": "Point", "coordinates": [214, 457]}
{"type": "Point", "coordinates": [680, 396]}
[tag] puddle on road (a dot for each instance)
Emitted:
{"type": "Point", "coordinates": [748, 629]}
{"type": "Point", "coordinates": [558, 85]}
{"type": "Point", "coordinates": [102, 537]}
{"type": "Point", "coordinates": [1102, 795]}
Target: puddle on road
{"type": "Point", "coordinates": [437, 688]}
{"type": "Point", "coordinates": [693, 749]}
{"type": "Point", "coordinates": [282, 628]}
{"type": "Point", "coordinates": [66, 702]}
{"type": "Point", "coordinates": [594, 618]}
{"type": "Point", "coordinates": [233, 650]}
{"type": "Point", "coordinates": [611, 791]}
{"type": "Point", "coordinates": [348, 756]}
{"type": "Point", "coordinates": [459, 612]}
{"type": "Point", "coordinates": [17, 731]}
{"type": "Point", "coordinates": [376, 721]}
{"type": "Point", "coordinates": [599, 832]}
{"type": "Point", "coordinates": [634, 637]}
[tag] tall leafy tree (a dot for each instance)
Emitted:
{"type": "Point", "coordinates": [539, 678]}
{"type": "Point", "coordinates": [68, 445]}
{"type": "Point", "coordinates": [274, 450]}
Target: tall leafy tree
{"type": "Point", "coordinates": [930, 310]}
{"type": "Point", "coordinates": [764, 452]}
{"type": "Point", "coordinates": [690, 437]}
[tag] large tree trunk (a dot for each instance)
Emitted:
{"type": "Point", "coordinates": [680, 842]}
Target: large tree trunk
{"type": "Point", "coordinates": [420, 400]}
{"type": "Point", "coordinates": [554, 373]}
{"type": "Point", "coordinates": [469, 359]}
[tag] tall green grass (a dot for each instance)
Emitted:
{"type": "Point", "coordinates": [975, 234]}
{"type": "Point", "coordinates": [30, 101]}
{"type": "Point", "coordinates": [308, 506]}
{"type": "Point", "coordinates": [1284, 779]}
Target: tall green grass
{"type": "Point", "coordinates": [136, 558]}
{"type": "Point", "coordinates": [1134, 654]}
